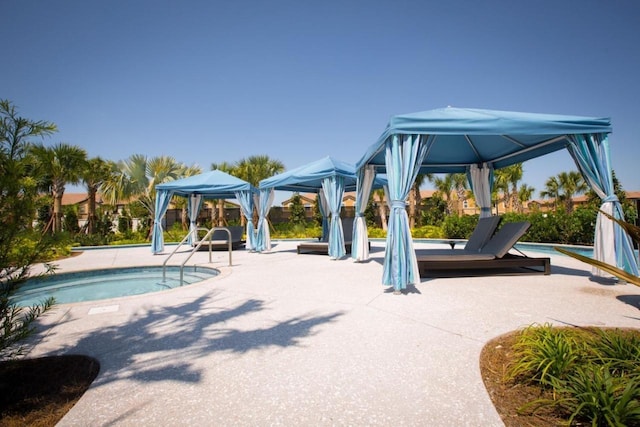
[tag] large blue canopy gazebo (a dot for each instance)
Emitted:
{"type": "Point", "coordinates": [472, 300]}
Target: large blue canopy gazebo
{"type": "Point", "coordinates": [210, 185]}
{"type": "Point", "coordinates": [329, 178]}
{"type": "Point", "coordinates": [477, 142]}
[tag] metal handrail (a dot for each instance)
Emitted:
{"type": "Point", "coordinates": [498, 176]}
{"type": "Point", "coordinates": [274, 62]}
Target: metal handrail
{"type": "Point", "coordinates": [208, 235]}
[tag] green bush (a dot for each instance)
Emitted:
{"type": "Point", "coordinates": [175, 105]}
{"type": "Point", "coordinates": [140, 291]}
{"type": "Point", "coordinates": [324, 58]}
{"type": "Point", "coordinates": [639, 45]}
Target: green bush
{"type": "Point", "coordinates": [376, 233]}
{"type": "Point", "coordinates": [594, 375]}
{"type": "Point", "coordinates": [289, 230]}
{"type": "Point", "coordinates": [459, 227]}
{"type": "Point", "coordinates": [428, 232]}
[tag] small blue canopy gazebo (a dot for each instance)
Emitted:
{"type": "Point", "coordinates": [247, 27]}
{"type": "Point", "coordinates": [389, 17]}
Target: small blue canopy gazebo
{"type": "Point", "coordinates": [209, 185]}
{"type": "Point", "coordinates": [330, 178]}
{"type": "Point", "coordinates": [478, 141]}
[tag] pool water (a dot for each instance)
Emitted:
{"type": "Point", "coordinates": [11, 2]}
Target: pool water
{"type": "Point", "coordinates": [106, 283]}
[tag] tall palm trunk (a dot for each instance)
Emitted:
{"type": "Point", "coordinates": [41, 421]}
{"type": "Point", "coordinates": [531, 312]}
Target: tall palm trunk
{"type": "Point", "coordinates": [382, 209]}
{"type": "Point", "coordinates": [57, 191]}
{"type": "Point", "coordinates": [91, 210]}
{"type": "Point", "coordinates": [221, 218]}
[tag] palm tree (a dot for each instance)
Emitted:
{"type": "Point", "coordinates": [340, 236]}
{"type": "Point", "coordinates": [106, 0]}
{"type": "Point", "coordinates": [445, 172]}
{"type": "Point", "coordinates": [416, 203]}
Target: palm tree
{"type": "Point", "coordinates": [382, 207]}
{"type": "Point", "coordinates": [415, 199]}
{"type": "Point", "coordinates": [445, 186]}
{"type": "Point", "coordinates": [571, 184]}
{"type": "Point", "coordinates": [59, 164]}
{"type": "Point", "coordinates": [552, 190]}
{"type": "Point", "coordinates": [524, 195]}
{"type": "Point", "coordinates": [96, 172]}
{"type": "Point", "coordinates": [460, 185]}
{"type": "Point", "coordinates": [219, 219]}
{"type": "Point", "coordinates": [254, 169]}
{"type": "Point", "coordinates": [507, 180]}
{"type": "Point", "coordinates": [137, 177]}
{"type": "Point", "coordinates": [181, 202]}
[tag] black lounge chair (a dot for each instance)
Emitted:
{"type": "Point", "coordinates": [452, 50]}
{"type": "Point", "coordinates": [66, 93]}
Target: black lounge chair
{"type": "Point", "coordinates": [492, 257]}
{"type": "Point", "coordinates": [322, 248]}
{"type": "Point", "coordinates": [220, 239]}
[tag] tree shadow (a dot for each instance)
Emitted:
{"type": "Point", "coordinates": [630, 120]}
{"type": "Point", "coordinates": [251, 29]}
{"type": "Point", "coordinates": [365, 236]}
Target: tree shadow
{"type": "Point", "coordinates": [164, 343]}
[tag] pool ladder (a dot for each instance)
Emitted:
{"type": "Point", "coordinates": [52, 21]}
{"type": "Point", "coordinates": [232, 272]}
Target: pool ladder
{"type": "Point", "coordinates": [195, 249]}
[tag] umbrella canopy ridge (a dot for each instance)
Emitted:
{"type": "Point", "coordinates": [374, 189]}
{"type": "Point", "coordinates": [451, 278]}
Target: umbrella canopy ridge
{"type": "Point", "coordinates": [461, 137]}
{"type": "Point", "coordinates": [212, 185]}
{"type": "Point", "coordinates": [308, 178]}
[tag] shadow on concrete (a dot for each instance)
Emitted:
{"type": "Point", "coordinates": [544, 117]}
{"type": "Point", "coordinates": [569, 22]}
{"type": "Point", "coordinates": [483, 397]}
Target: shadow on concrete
{"type": "Point", "coordinates": [164, 343]}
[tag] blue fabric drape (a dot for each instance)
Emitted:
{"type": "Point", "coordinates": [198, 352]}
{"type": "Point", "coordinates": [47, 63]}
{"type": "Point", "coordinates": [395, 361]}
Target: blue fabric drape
{"type": "Point", "coordinates": [162, 203]}
{"type": "Point", "coordinates": [194, 204]}
{"type": "Point", "coordinates": [360, 241]}
{"type": "Point", "coordinates": [263, 238]}
{"type": "Point", "coordinates": [591, 154]}
{"type": "Point", "coordinates": [333, 188]}
{"type": "Point", "coordinates": [404, 154]}
{"type": "Point", "coordinates": [246, 204]}
{"type": "Point", "coordinates": [323, 207]}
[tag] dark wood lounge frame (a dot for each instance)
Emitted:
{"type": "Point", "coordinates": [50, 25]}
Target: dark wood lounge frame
{"type": "Point", "coordinates": [493, 257]}
{"type": "Point", "coordinates": [321, 248]}
{"type": "Point", "coordinates": [508, 264]}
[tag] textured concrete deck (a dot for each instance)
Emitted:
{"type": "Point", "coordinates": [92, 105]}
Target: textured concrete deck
{"type": "Point", "coordinates": [287, 339]}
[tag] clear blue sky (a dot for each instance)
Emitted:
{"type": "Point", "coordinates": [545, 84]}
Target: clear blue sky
{"type": "Point", "coordinates": [213, 81]}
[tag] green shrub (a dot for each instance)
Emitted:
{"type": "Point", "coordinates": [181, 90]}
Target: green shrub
{"type": "Point", "coordinates": [594, 394]}
{"type": "Point", "coordinates": [594, 376]}
{"type": "Point", "coordinates": [428, 232]}
{"type": "Point", "coordinates": [376, 233]}
{"type": "Point", "coordinates": [459, 227]}
{"type": "Point", "coordinates": [545, 352]}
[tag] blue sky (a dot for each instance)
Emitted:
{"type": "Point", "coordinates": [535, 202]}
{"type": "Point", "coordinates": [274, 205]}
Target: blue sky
{"type": "Point", "coordinates": [212, 81]}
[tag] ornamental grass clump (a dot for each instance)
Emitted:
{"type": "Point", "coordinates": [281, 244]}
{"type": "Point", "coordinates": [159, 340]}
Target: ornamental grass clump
{"type": "Point", "coordinates": [590, 375]}
{"type": "Point", "coordinates": [545, 352]}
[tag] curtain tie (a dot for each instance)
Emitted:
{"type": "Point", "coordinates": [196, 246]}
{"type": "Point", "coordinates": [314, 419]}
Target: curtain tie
{"type": "Point", "coordinates": [398, 204]}
{"type": "Point", "coordinates": [611, 199]}
{"type": "Point", "coordinates": [485, 209]}
{"type": "Point", "coordinates": [359, 214]}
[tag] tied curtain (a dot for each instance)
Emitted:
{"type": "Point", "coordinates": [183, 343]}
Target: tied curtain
{"type": "Point", "coordinates": [403, 157]}
{"type": "Point", "coordinates": [263, 238]}
{"type": "Point", "coordinates": [246, 204]}
{"type": "Point", "coordinates": [161, 205]}
{"type": "Point", "coordinates": [333, 188]}
{"type": "Point", "coordinates": [481, 183]}
{"type": "Point", "coordinates": [611, 244]}
{"type": "Point", "coordinates": [194, 203]}
{"type": "Point", "coordinates": [364, 184]}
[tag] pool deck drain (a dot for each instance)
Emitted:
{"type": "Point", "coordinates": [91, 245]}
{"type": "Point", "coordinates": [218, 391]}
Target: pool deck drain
{"type": "Point", "coordinates": [297, 340]}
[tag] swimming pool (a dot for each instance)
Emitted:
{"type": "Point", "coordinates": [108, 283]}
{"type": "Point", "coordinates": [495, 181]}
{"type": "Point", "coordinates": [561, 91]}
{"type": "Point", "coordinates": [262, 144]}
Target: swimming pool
{"type": "Point", "coordinates": [107, 283]}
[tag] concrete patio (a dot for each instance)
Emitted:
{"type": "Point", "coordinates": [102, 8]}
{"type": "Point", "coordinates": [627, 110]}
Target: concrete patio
{"type": "Point", "coordinates": [287, 339]}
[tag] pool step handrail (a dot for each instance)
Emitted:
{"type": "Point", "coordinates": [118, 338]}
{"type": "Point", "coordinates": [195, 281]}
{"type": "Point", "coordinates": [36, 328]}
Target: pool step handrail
{"type": "Point", "coordinates": [196, 248]}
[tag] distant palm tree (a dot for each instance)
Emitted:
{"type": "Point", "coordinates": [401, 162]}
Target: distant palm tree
{"type": "Point", "coordinates": [551, 190]}
{"type": "Point", "coordinates": [446, 187]}
{"type": "Point", "coordinates": [137, 177]}
{"type": "Point", "coordinates": [572, 184]}
{"type": "Point", "coordinates": [524, 195]}
{"type": "Point", "coordinates": [415, 199]}
{"type": "Point", "coordinates": [96, 172]}
{"type": "Point", "coordinates": [378, 196]}
{"type": "Point", "coordinates": [507, 180]}
{"type": "Point", "coordinates": [218, 218]}
{"type": "Point", "coordinates": [254, 169]}
{"type": "Point", "coordinates": [59, 165]}
{"type": "Point", "coordinates": [460, 185]}
{"type": "Point", "coordinates": [181, 202]}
